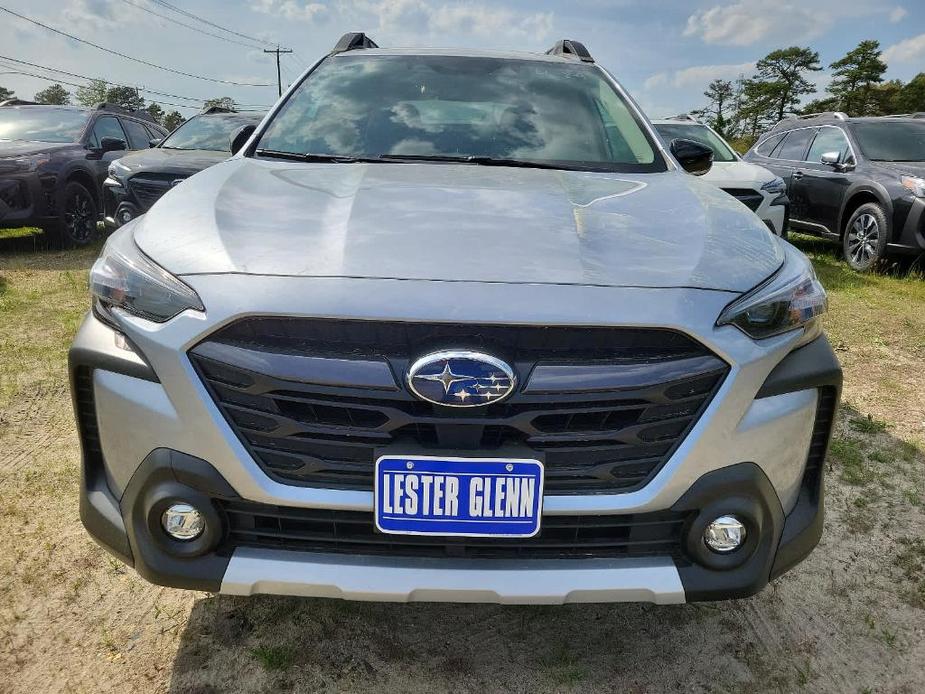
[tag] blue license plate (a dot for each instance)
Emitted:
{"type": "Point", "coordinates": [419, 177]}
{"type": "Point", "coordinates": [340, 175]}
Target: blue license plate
{"type": "Point", "coordinates": [467, 497]}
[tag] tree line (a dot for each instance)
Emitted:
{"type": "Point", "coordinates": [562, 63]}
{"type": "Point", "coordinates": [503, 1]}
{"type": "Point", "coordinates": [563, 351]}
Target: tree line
{"type": "Point", "coordinates": [742, 109]}
{"type": "Point", "coordinates": [127, 97]}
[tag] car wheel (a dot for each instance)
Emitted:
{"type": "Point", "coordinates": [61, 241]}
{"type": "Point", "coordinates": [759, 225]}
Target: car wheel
{"type": "Point", "coordinates": [865, 238]}
{"type": "Point", "coordinates": [77, 223]}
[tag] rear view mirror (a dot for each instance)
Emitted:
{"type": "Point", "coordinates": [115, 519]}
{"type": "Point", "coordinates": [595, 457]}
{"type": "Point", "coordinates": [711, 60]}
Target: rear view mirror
{"type": "Point", "coordinates": [695, 158]}
{"type": "Point", "coordinates": [241, 136]}
{"type": "Point", "coordinates": [831, 158]}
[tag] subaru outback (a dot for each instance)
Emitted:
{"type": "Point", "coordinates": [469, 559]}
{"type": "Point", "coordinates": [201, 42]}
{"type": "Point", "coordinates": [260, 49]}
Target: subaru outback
{"type": "Point", "coordinates": [455, 326]}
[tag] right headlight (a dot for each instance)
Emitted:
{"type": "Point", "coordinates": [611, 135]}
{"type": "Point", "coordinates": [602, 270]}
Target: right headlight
{"type": "Point", "coordinates": [125, 278]}
{"type": "Point", "coordinates": [787, 301]}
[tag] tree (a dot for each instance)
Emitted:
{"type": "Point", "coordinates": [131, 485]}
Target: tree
{"type": "Point", "coordinates": [759, 106]}
{"type": "Point", "coordinates": [223, 102]}
{"type": "Point", "coordinates": [157, 113]}
{"type": "Point", "coordinates": [828, 103]}
{"type": "Point", "coordinates": [883, 98]}
{"type": "Point", "coordinates": [911, 97]}
{"type": "Point", "coordinates": [782, 73]}
{"type": "Point", "coordinates": [720, 93]}
{"type": "Point", "coordinates": [6, 94]}
{"type": "Point", "coordinates": [55, 94]}
{"type": "Point", "coordinates": [855, 75]}
{"type": "Point", "coordinates": [93, 94]}
{"type": "Point", "coordinates": [173, 120]}
{"type": "Point", "coordinates": [127, 97]}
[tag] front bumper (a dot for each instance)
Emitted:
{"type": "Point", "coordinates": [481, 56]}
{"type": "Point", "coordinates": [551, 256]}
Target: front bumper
{"type": "Point", "coordinates": [758, 446]}
{"type": "Point", "coordinates": [27, 199]}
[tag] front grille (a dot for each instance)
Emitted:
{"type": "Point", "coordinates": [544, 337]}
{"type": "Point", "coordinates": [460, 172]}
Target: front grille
{"type": "Point", "coordinates": [147, 188]}
{"type": "Point", "coordinates": [752, 199]}
{"type": "Point", "coordinates": [303, 433]}
{"type": "Point", "coordinates": [352, 532]}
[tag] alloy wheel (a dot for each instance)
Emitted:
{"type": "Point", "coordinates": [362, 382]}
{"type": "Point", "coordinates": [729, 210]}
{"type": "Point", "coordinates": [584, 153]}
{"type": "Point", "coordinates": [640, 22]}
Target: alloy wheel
{"type": "Point", "coordinates": [79, 217]}
{"type": "Point", "coordinates": [863, 237]}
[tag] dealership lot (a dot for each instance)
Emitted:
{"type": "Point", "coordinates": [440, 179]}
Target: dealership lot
{"type": "Point", "coordinates": [850, 618]}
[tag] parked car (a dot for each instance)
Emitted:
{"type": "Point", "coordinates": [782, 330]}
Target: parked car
{"type": "Point", "coordinates": [138, 180]}
{"type": "Point", "coordinates": [53, 160]}
{"type": "Point", "coordinates": [860, 181]}
{"type": "Point", "coordinates": [761, 191]}
{"type": "Point", "coordinates": [454, 326]}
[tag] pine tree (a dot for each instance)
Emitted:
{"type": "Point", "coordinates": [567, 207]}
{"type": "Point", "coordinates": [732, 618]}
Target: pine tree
{"type": "Point", "coordinates": [855, 75]}
{"type": "Point", "coordinates": [55, 94]}
{"type": "Point", "coordinates": [782, 72]}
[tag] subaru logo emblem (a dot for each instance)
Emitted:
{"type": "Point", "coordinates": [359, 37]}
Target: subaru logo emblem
{"type": "Point", "coordinates": [460, 379]}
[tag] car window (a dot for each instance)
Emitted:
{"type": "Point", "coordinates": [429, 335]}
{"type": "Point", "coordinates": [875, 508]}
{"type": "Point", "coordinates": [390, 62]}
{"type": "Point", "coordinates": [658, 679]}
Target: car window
{"type": "Point", "coordinates": [106, 126]}
{"type": "Point", "coordinates": [697, 133]}
{"type": "Point", "coordinates": [794, 145]}
{"type": "Point", "coordinates": [565, 114]}
{"type": "Point", "coordinates": [765, 148]}
{"type": "Point", "coordinates": [137, 135]}
{"type": "Point", "coordinates": [828, 140]}
{"type": "Point", "coordinates": [41, 124]}
{"type": "Point", "coordinates": [209, 132]}
{"type": "Point", "coordinates": [891, 140]}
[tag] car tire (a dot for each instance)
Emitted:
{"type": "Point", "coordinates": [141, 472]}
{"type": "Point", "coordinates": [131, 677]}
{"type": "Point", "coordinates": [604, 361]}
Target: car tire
{"type": "Point", "coordinates": [866, 236]}
{"type": "Point", "coordinates": [76, 225]}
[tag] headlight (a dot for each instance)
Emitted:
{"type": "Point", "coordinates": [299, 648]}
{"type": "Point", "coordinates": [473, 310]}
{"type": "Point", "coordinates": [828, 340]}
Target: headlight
{"type": "Point", "coordinates": [775, 187]}
{"type": "Point", "coordinates": [124, 278]}
{"type": "Point", "coordinates": [785, 302]}
{"type": "Point", "coordinates": [118, 171]}
{"type": "Point", "coordinates": [914, 184]}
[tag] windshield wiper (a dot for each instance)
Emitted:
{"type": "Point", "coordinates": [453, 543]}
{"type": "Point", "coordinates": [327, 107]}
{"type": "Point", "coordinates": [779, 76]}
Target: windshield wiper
{"type": "Point", "coordinates": [309, 157]}
{"type": "Point", "coordinates": [471, 159]}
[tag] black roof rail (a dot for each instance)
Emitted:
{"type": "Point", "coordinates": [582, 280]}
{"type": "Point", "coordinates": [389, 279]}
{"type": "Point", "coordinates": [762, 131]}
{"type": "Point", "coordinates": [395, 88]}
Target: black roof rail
{"type": "Point", "coordinates": [352, 41]}
{"type": "Point", "coordinates": [571, 49]}
{"type": "Point", "coordinates": [109, 106]}
{"type": "Point", "coordinates": [683, 116]}
{"type": "Point", "coordinates": [18, 102]}
{"type": "Point", "coordinates": [217, 109]}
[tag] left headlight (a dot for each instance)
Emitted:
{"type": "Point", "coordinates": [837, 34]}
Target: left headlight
{"type": "Point", "coordinates": [117, 171]}
{"type": "Point", "coordinates": [775, 186]}
{"type": "Point", "coordinates": [789, 300]}
{"type": "Point", "coordinates": [915, 185]}
{"type": "Point", "coordinates": [124, 278]}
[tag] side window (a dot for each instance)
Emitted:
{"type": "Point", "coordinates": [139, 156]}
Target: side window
{"type": "Point", "coordinates": [828, 140]}
{"type": "Point", "coordinates": [106, 126]}
{"type": "Point", "coordinates": [766, 147]}
{"type": "Point", "coordinates": [137, 135]}
{"type": "Point", "coordinates": [794, 145]}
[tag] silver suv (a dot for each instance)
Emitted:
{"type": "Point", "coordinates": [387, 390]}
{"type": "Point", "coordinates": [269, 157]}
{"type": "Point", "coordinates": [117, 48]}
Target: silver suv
{"type": "Point", "coordinates": [454, 326]}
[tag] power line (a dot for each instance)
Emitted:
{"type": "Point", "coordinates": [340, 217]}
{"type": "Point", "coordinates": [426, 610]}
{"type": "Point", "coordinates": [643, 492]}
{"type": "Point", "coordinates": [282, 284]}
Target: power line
{"type": "Point", "coordinates": [190, 26]}
{"type": "Point", "coordinates": [211, 24]}
{"type": "Point", "coordinates": [128, 57]}
{"type": "Point", "coordinates": [115, 84]}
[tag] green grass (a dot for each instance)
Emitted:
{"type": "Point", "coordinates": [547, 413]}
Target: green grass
{"type": "Point", "coordinates": [274, 658]}
{"type": "Point", "coordinates": [20, 233]}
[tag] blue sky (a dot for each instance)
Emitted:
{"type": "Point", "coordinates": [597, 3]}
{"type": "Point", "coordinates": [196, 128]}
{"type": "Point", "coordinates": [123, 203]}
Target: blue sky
{"type": "Point", "coordinates": [663, 51]}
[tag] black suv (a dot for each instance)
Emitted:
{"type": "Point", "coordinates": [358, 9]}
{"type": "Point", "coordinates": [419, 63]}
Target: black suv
{"type": "Point", "coordinates": [858, 180]}
{"type": "Point", "coordinates": [53, 160]}
{"type": "Point", "coordinates": [138, 180]}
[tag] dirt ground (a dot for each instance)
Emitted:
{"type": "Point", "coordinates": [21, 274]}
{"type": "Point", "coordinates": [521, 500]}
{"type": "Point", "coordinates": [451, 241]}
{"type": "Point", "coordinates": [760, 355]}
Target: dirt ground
{"type": "Point", "coordinates": [851, 618]}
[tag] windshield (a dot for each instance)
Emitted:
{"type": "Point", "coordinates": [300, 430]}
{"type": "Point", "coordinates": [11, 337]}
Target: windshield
{"type": "Point", "coordinates": [42, 124]}
{"type": "Point", "coordinates": [697, 133]}
{"type": "Point", "coordinates": [891, 140]}
{"type": "Point", "coordinates": [456, 107]}
{"type": "Point", "coordinates": [207, 132]}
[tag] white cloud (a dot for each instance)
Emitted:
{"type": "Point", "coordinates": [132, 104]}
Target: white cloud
{"type": "Point", "coordinates": [698, 75]}
{"type": "Point", "coordinates": [908, 51]}
{"type": "Point", "coordinates": [290, 9]}
{"type": "Point", "coordinates": [471, 19]}
{"type": "Point", "coordinates": [897, 14]}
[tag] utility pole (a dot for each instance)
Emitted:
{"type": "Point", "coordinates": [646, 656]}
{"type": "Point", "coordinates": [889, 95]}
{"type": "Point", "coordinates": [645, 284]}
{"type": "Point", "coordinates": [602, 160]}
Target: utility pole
{"type": "Point", "coordinates": [279, 77]}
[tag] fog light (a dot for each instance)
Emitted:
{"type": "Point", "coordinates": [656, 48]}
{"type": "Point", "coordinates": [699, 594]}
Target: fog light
{"type": "Point", "coordinates": [725, 534]}
{"type": "Point", "coordinates": [182, 522]}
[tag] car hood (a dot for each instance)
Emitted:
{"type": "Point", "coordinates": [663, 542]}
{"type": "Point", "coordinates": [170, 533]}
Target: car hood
{"type": "Point", "coordinates": [737, 174]}
{"type": "Point", "coordinates": [25, 148]}
{"type": "Point", "coordinates": [178, 161]}
{"type": "Point", "coordinates": [452, 222]}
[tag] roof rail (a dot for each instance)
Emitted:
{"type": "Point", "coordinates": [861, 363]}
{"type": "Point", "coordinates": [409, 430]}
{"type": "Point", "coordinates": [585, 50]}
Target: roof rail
{"type": "Point", "coordinates": [683, 116]}
{"type": "Point", "coordinates": [18, 102]}
{"type": "Point", "coordinates": [352, 41]}
{"type": "Point", "coordinates": [917, 114]}
{"type": "Point", "coordinates": [217, 109]}
{"type": "Point", "coordinates": [109, 106]}
{"type": "Point", "coordinates": [568, 48]}
{"type": "Point", "coordinates": [830, 114]}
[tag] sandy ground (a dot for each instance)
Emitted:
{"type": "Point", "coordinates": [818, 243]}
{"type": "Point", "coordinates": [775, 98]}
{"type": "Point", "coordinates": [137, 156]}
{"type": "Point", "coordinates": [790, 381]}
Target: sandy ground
{"type": "Point", "coordinates": [849, 619]}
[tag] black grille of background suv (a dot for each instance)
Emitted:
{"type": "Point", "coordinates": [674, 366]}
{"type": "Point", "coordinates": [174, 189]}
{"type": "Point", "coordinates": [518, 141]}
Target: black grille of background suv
{"type": "Point", "coordinates": [750, 198]}
{"type": "Point", "coordinates": [591, 441]}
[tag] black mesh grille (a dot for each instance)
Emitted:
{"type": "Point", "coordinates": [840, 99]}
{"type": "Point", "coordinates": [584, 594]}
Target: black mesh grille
{"type": "Point", "coordinates": [750, 198]}
{"type": "Point", "coordinates": [322, 530]}
{"type": "Point", "coordinates": [325, 436]}
{"type": "Point", "coordinates": [148, 188]}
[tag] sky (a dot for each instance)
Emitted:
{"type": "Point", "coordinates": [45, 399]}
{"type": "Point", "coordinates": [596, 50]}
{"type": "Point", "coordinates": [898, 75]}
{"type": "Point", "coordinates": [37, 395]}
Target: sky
{"type": "Point", "coordinates": [663, 51]}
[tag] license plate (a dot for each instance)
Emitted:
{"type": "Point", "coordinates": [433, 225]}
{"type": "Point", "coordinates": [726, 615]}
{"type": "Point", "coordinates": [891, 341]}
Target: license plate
{"type": "Point", "coordinates": [465, 497]}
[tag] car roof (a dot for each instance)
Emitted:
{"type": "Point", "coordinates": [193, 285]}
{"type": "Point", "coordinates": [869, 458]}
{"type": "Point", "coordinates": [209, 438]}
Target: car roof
{"type": "Point", "coordinates": [462, 53]}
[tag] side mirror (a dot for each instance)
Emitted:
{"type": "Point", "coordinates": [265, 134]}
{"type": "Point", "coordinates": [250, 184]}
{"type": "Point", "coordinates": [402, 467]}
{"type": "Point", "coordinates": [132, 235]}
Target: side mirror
{"type": "Point", "coordinates": [831, 158]}
{"type": "Point", "coordinates": [240, 136]}
{"type": "Point", "coordinates": [693, 157]}
{"type": "Point", "coordinates": [111, 144]}
{"type": "Point", "coordinates": [154, 142]}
